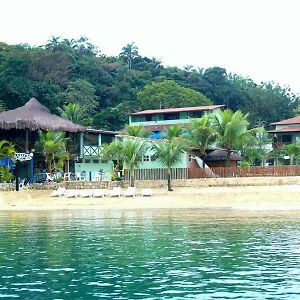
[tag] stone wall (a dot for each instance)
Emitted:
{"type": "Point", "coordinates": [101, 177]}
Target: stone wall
{"type": "Point", "coordinates": [207, 182]}
{"type": "Point", "coordinates": [200, 182]}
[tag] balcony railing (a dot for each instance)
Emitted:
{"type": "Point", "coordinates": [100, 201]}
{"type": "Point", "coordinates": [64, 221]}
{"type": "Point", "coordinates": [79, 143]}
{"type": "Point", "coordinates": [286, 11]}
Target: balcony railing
{"type": "Point", "coordinates": [91, 150]}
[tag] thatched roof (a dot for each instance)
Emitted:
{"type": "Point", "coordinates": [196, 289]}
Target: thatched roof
{"type": "Point", "coordinates": [221, 154]}
{"type": "Point", "coordinates": [33, 116]}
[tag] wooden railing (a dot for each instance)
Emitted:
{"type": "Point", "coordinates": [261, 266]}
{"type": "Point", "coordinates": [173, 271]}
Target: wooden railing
{"type": "Point", "coordinates": [217, 172]}
{"type": "Point", "coordinates": [245, 171]}
{"type": "Point", "coordinates": [157, 174]}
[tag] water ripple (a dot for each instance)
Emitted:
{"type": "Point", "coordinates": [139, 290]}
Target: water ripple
{"type": "Point", "coordinates": [149, 255]}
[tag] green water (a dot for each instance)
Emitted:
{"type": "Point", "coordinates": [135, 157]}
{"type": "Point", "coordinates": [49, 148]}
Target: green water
{"type": "Point", "coordinates": [149, 255]}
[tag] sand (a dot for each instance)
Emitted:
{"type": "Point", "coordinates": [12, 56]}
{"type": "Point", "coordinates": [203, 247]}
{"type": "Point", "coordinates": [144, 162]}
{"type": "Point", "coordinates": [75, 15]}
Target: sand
{"type": "Point", "coordinates": [250, 198]}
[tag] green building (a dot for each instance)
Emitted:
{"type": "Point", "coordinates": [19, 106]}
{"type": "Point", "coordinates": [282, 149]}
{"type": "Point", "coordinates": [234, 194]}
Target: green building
{"type": "Point", "coordinates": [157, 120]}
{"type": "Point", "coordinates": [88, 164]}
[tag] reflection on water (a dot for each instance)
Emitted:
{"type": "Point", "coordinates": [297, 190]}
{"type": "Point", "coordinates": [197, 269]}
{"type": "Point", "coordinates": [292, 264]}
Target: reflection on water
{"type": "Point", "coordinates": [149, 255]}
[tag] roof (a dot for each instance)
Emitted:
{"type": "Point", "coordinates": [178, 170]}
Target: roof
{"type": "Point", "coordinates": [295, 120]}
{"type": "Point", "coordinates": [33, 116]}
{"type": "Point", "coordinates": [92, 130]}
{"type": "Point", "coordinates": [286, 129]}
{"type": "Point", "coordinates": [178, 109]}
{"type": "Point", "coordinates": [221, 154]}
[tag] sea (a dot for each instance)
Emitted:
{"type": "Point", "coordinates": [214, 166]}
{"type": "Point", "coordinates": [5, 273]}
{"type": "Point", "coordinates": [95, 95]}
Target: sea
{"type": "Point", "coordinates": [149, 254]}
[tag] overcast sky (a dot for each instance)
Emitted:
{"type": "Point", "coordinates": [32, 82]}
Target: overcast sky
{"type": "Point", "coordinates": [255, 38]}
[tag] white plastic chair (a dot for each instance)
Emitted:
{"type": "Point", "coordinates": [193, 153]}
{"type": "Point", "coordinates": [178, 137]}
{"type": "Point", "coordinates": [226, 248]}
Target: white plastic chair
{"type": "Point", "coordinates": [85, 193]}
{"type": "Point", "coordinates": [130, 192]}
{"type": "Point", "coordinates": [116, 192]}
{"type": "Point", "coordinates": [146, 192]}
{"type": "Point", "coordinates": [72, 193]}
{"type": "Point", "coordinates": [61, 191]}
{"type": "Point", "coordinates": [99, 193]}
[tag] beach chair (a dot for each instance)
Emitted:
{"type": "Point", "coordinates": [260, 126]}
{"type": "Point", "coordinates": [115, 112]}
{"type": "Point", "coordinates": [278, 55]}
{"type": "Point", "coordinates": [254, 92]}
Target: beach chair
{"type": "Point", "coordinates": [72, 193]}
{"type": "Point", "coordinates": [146, 192]}
{"type": "Point", "coordinates": [85, 193]}
{"type": "Point", "coordinates": [99, 193]}
{"type": "Point", "coordinates": [59, 192]}
{"type": "Point", "coordinates": [116, 192]}
{"type": "Point", "coordinates": [130, 192]}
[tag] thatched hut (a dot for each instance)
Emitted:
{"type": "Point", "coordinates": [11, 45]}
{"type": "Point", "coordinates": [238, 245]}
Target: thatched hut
{"type": "Point", "coordinates": [33, 116]}
{"type": "Point", "coordinates": [218, 157]}
{"type": "Point", "coordinates": [20, 126]}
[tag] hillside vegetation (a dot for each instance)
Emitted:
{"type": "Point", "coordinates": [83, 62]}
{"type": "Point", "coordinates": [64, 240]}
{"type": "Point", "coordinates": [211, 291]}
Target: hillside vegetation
{"type": "Point", "coordinates": [110, 87]}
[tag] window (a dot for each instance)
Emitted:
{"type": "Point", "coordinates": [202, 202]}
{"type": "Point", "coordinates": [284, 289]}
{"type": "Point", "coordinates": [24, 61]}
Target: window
{"type": "Point", "coordinates": [172, 116]}
{"type": "Point", "coordinates": [96, 161]}
{"type": "Point", "coordinates": [190, 157]}
{"type": "Point", "coordinates": [153, 158]}
{"type": "Point", "coordinates": [87, 161]}
{"type": "Point", "coordinates": [90, 139]}
{"type": "Point", "coordinates": [286, 138]}
{"type": "Point", "coordinates": [146, 158]}
{"type": "Point", "coordinates": [106, 138]}
{"type": "Point", "coordinates": [195, 114]}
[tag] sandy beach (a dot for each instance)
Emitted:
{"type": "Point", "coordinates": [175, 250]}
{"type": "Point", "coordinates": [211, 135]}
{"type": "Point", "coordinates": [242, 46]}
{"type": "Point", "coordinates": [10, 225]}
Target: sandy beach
{"type": "Point", "coordinates": [250, 198]}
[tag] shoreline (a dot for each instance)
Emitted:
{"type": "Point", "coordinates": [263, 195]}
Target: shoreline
{"type": "Point", "coordinates": [245, 198]}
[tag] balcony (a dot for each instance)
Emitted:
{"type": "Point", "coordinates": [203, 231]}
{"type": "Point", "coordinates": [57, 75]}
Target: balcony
{"type": "Point", "coordinates": [91, 150]}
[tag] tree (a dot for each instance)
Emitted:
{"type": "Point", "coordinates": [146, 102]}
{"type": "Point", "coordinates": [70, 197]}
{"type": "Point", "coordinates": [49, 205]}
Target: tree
{"type": "Point", "coordinates": [293, 151]}
{"type": "Point", "coordinates": [168, 94]}
{"type": "Point", "coordinates": [232, 128]}
{"type": "Point", "coordinates": [81, 92]}
{"type": "Point", "coordinates": [137, 131]}
{"type": "Point", "coordinates": [169, 151]}
{"type": "Point", "coordinates": [7, 149]}
{"type": "Point", "coordinates": [129, 52]}
{"type": "Point", "coordinates": [75, 113]}
{"type": "Point", "coordinates": [129, 151]}
{"type": "Point", "coordinates": [201, 134]}
{"type": "Point", "coordinates": [255, 148]}
{"type": "Point", "coordinates": [53, 145]}
{"type": "Point", "coordinates": [132, 154]}
{"type": "Point", "coordinates": [113, 151]}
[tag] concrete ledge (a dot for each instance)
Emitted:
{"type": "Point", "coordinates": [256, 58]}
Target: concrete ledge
{"type": "Point", "coordinates": [200, 182]}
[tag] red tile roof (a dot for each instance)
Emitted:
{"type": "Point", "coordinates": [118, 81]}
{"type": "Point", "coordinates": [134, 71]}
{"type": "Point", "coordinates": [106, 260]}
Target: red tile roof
{"type": "Point", "coordinates": [295, 120]}
{"type": "Point", "coordinates": [286, 129]}
{"type": "Point", "coordinates": [177, 109]}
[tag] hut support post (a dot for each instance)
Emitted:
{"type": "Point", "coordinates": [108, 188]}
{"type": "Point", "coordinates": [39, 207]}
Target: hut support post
{"type": "Point", "coordinates": [31, 171]}
{"type": "Point", "coordinates": [26, 140]}
{"type": "Point", "coordinates": [17, 175]}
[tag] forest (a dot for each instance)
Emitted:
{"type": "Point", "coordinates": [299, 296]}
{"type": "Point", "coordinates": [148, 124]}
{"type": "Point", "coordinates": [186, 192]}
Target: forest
{"type": "Point", "coordinates": [109, 88]}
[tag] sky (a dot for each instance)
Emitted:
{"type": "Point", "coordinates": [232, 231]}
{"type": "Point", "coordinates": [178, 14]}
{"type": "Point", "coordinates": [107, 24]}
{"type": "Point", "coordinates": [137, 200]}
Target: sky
{"type": "Point", "coordinates": [253, 38]}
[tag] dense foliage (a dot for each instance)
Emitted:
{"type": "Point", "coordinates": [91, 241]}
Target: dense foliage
{"type": "Point", "coordinates": [109, 88]}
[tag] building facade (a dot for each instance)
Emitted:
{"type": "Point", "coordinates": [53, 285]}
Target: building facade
{"type": "Point", "coordinates": [156, 121]}
{"type": "Point", "coordinates": [286, 132]}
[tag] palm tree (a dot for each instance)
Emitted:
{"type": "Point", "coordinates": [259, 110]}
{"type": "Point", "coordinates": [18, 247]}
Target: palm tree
{"type": "Point", "coordinates": [128, 152]}
{"type": "Point", "coordinates": [75, 113]}
{"type": "Point", "coordinates": [293, 151]}
{"type": "Point", "coordinates": [53, 145]}
{"type": "Point", "coordinates": [6, 149]}
{"type": "Point", "coordinates": [112, 151]}
{"type": "Point", "coordinates": [132, 153]}
{"type": "Point", "coordinates": [201, 134]}
{"type": "Point", "coordinates": [169, 151]}
{"type": "Point", "coordinates": [129, 52]}
{"type": "Point", "coordinates": [137, 131]}
{"type": "Point", "coordinates": [232, 128]}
